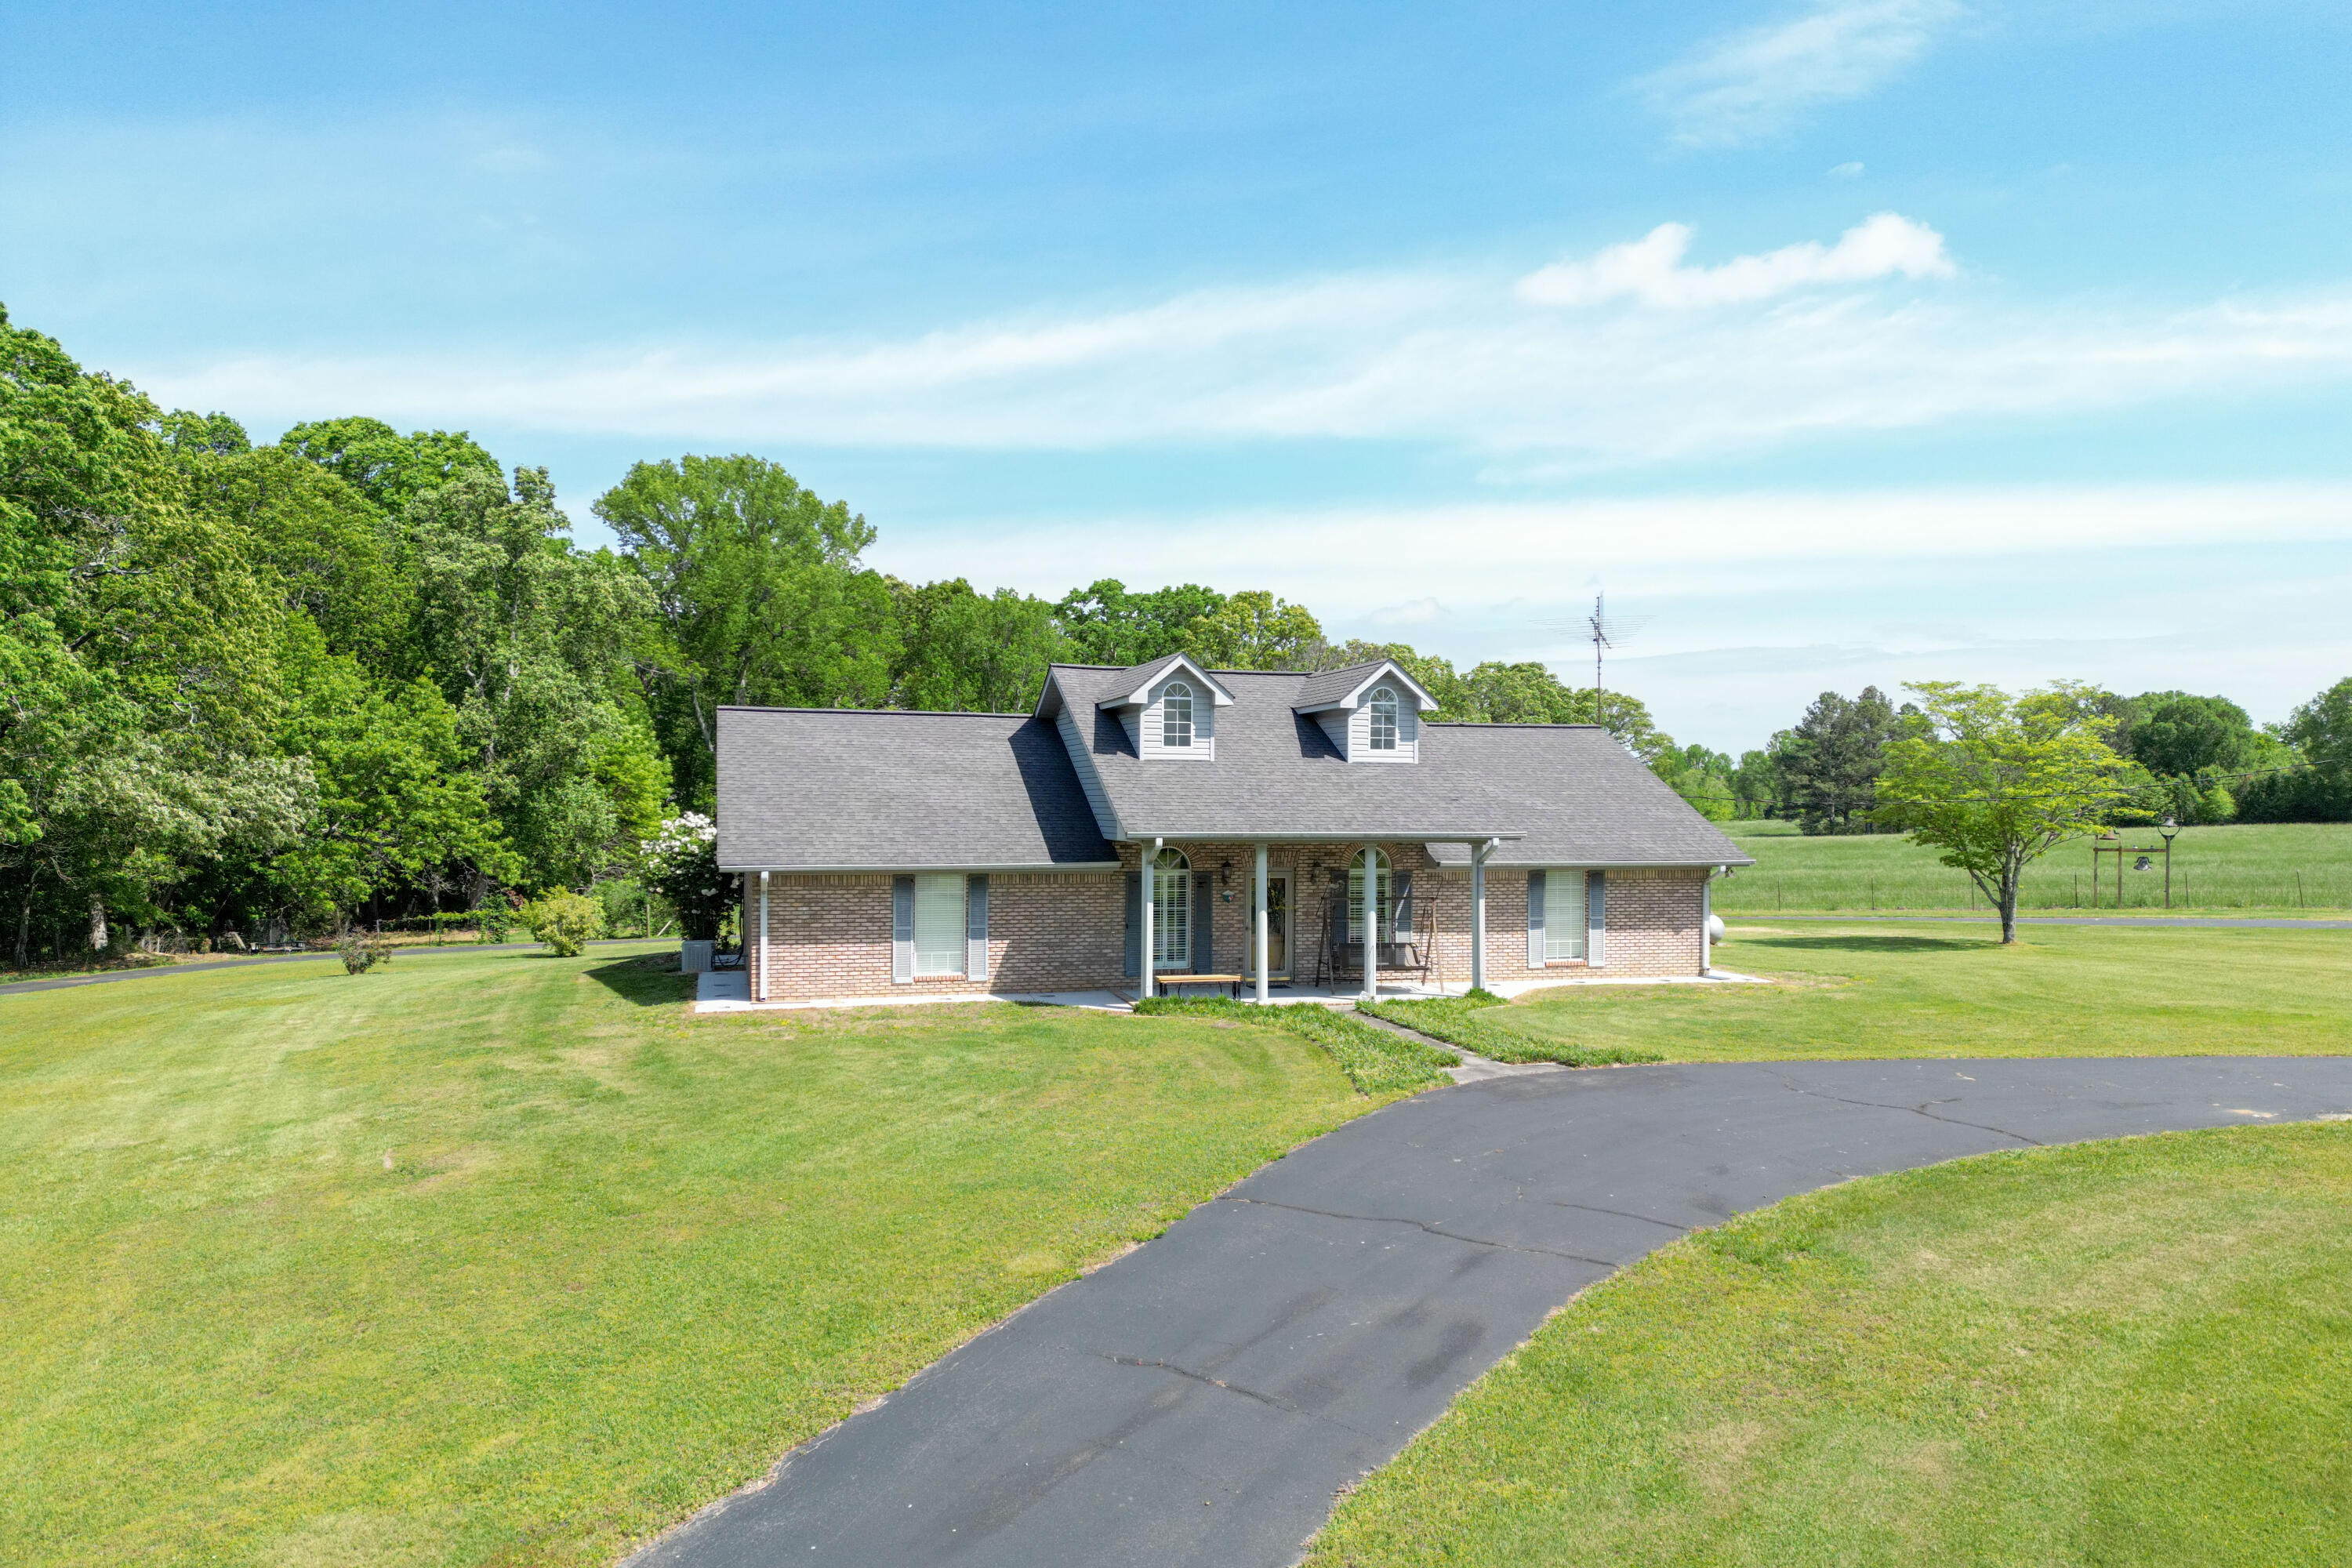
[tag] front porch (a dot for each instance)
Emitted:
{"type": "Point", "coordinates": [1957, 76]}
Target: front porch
{"type": "Point", "coordinates": [1298, 912]}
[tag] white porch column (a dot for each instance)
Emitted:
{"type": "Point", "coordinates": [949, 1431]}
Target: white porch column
{"type": "Point", "coordinates": [1150, 857]}
{"type": "Point", "coordinates": [1478, 914]}
{"type": "Point", "coordinates": [760, 989]}
{"type": "Point", "coordinates": [1261, 926]}
{"type": "Point", "coordinates": [1371, 923]}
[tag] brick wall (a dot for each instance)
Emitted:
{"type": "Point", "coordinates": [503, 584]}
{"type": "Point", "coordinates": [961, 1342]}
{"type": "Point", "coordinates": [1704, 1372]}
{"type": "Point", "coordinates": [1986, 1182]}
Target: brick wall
{"type": "Point", "coordinates": [1046, 932]}
{"type": "Point", "coordinates": [830, 935]}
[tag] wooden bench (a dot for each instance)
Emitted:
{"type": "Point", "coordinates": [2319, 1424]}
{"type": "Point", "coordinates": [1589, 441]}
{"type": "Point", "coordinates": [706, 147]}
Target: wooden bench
{"type": "Point", "coordinates": [1232, 982]}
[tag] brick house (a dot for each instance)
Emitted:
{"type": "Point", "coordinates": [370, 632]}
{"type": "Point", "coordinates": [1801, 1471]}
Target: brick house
{"type": "Point", "coordinates": [1207, 818]}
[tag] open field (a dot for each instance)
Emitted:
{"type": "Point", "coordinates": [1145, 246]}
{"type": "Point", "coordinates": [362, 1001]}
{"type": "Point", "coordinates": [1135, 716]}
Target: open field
{"type": "Point", "coordinates": [500, 1258]}
{"type": "Point", "coordinates": [2132, 1351]}
{"type": "Point", "coordinates": [2281, 868]}
{"type": "Point", "coordinates": [1929, 989]}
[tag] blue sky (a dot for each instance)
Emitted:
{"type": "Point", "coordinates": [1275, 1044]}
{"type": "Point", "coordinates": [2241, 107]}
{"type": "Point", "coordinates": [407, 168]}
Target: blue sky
{"type": "Point", "coordinates": [1846, 341]}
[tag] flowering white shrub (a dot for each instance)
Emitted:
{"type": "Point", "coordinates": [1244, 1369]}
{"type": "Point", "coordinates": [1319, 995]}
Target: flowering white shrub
{"type": "Point", "coordinates": [682, 865]}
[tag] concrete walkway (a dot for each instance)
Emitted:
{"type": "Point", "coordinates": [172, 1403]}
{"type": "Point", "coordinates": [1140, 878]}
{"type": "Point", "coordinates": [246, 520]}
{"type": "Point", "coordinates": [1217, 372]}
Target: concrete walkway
{"type": "Point", "coordinates": [1201, 1400]}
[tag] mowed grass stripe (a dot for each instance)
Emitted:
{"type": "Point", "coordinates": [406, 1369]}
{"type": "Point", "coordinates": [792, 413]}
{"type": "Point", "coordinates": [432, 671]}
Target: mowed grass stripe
{"type": "Point", "coordinates": [1923, 989]}
{"type": "Point", "coordinates": [2135, 1351]}
{"type": "Point", "coordinates": [622, 1261]}
{"type": "Point", "coordinates": [2273, 868]}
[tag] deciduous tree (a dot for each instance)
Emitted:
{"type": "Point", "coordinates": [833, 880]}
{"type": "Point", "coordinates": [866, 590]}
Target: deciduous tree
{"type": "Point", "coordinates": [758, 595]}
{"type": "Point", "coordinates": [1995, 784]}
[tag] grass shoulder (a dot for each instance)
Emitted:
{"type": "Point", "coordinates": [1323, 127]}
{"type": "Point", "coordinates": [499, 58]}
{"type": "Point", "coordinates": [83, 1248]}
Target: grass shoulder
{"type": "Point", "coordinates": [1920, 988]}
{"type": "Point", "coordinates": [2126, 1352]}
{"type": "Point", "coordinates": [1376, 1062]}
{"type": "Point", "coordinates": [500, 1257]}
{"type": "Point", "coordinates": [1467, 1021]}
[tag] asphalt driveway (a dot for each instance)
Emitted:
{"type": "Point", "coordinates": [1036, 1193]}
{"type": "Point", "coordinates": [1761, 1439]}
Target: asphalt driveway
{"type": "Point", "coordinates": [1201, 1400]}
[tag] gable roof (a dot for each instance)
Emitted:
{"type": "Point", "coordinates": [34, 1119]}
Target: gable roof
{"type": "Point", "coordinates": [833, 789]}
{"type": "Point", "coordinates": [1133, 687]}
{"type": "Point", "coordinates": [1557, 793]}
{"type": "Point", "coordinates": [836, 789]}
{"type": "Point", "coordinates": [1344, 687]}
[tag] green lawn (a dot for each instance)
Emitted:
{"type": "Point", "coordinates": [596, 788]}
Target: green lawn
{"type": "Point", "coordinates": [497, 1257]}
{"type": "Point", "coordinates": [1931, 989]}
{"type": "Point", "coordinates": [2286, 868]}
{"type": "Point", "coordinates": [2136, 1351]}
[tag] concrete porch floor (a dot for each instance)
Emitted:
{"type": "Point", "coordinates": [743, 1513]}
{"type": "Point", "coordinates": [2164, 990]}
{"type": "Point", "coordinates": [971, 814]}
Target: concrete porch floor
{"type": "Point", "coordinates": [730, 991]}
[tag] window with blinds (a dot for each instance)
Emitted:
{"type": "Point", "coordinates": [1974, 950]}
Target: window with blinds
{"type": "Point", "coordinates": [938, 923]}
{"type": "Point", "coordinates": [1171, 912]}
{"type": "Point", "coordinates": [1563, 915]}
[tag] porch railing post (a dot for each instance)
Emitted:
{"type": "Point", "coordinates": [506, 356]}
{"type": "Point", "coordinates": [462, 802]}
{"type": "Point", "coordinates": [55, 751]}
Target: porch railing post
{"type": "Point", "coordinates": [1262, 951]}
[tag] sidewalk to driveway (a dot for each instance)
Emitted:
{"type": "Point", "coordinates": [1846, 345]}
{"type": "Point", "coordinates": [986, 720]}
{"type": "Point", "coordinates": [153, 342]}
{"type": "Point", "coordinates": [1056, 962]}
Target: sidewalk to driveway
{"type": "Point", "coordinates": [1199, 1401]}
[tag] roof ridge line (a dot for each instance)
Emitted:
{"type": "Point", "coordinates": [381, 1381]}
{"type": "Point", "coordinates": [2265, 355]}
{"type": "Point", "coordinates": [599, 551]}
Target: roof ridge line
{"type": "Point", "coordinates": [900, 712]}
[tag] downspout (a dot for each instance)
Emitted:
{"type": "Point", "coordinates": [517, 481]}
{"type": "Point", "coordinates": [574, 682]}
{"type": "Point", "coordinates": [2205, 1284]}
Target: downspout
{"type": "Point", "coordinates": [1478, 853]}
{"type": "Point", "coordinates": [1707, 921]}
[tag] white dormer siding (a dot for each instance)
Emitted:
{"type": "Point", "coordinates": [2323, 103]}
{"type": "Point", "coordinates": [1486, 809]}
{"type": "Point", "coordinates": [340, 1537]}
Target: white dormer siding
{"type": "Point", "coordinates": [1150, 727]}
{"type": "Point", "coordinates": [1407, 746]}
{"type": "Point", "coordinates": [1350, 729]}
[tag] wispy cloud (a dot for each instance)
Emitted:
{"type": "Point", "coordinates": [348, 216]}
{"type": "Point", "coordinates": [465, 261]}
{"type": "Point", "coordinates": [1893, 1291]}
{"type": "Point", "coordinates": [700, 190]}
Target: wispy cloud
{"type": "Point", "coordinates": [1543, 554]}
{"type": "Point", "coordinates": [1748, 84]}
{"type": "Point", "coordinates": [1651, 268]}
{"type": "Point", "coordinates": [1808, 341]}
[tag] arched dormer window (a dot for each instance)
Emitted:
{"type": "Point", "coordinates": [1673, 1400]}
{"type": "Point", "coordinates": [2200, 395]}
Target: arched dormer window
{"type": "Point", "coordinates": [1384, 721]}
{"type": "Point", "coordinates": [1176, 717]}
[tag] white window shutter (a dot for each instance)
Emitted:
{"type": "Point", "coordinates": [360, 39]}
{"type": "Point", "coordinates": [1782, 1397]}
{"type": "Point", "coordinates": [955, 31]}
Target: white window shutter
{"type": "Point", "coordinates": [1535, 920]}
{"type": "Point", "coordinates": [975, 918]}
{"type": "Point", "coordinates": [902, 930]}
{"type": "Point", "coordinates": [1596, 915]}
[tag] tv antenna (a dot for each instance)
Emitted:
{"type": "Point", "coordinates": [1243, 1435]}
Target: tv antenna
{"type": "Point", "coordinates": [1607, 631]}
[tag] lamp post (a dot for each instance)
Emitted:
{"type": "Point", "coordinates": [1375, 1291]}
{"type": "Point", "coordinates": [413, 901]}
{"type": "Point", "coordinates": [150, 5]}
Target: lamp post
{"type": "Point", "coordinates": [2169, 829]}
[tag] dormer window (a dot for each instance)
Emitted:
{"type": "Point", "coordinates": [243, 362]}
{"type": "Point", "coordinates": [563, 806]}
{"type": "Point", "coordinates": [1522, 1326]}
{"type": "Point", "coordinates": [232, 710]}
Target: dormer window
{"type": "Point", "coordinates": [1384, 721]}
{"type": "Point", "coordinates": [1176, 717]}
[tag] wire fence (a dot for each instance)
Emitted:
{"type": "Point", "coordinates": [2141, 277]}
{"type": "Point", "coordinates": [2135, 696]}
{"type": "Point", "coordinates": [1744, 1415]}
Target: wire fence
{"type": "Point", "coordinates": [1763, 889]}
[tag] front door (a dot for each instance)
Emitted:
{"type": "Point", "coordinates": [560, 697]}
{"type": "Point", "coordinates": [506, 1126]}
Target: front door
{"type": "Point", "coordinates": [1277, 925]}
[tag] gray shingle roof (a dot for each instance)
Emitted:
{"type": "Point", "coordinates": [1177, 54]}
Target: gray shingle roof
{"type": "Point", "coordinates": [1332, 685]}
{"type": "Point", "coordinates": [844, 788]}
{"type": "Point", "coordinates": [1572, 794]}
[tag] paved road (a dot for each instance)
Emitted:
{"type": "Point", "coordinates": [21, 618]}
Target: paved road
{"type": "Point", "coordinates": [1200, 1400]}
{"type": "Point", "coordinates": [1766, 917]}
{"type": "Point", "coordinates": [63, 982]}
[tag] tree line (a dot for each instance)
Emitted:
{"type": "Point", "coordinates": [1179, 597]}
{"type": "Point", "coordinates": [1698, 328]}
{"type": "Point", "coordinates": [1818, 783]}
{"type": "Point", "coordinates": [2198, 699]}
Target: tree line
{"type": "Point", "coordinates": [2195, 760]}
{"type": "Point", "coordinates": [355, 674]}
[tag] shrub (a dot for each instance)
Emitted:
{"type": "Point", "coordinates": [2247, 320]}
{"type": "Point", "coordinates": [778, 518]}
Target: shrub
{"type": "Point", "coordinates": [361, 951]}
{"type": "Point", "coordinates": [682, 866]}
{"type": "Point", "coordinates": [1458, 1020]}
{"type": "Point", "coordinates": [497, 919]}
{"type": "Point", "coordinates": [1374, 1060]}
{"type": "Point", "coordinates": [565, 922]}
